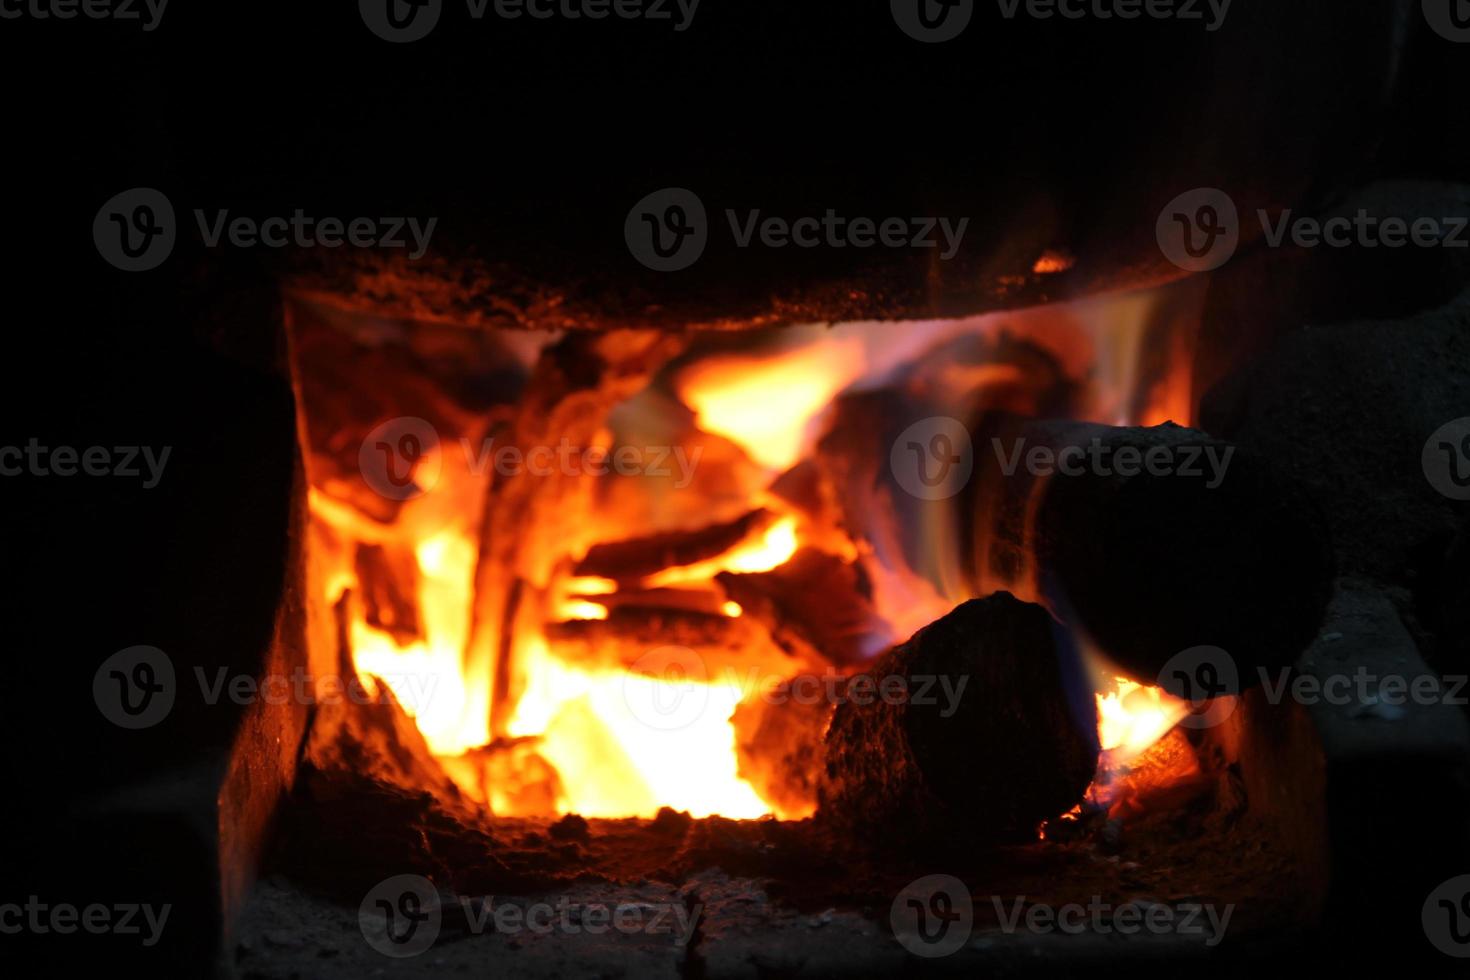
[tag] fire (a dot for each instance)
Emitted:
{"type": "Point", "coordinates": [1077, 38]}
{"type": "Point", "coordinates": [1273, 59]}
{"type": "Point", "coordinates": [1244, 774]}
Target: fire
{"type": "Point", "coordinates": [773, 549]}
{"type": "Point", "coordinates": [567, 730]}
{"type": "Point", "coordinates": [1134, 724]}
{"type": "Point", "coordinates": [426, 676]}
{"type": "Point", "coordinates": [603, 731]}
{"type": "Point", "coordinates": [1132, 717]}
{"type": "Point", "coordinates": [764, 404]}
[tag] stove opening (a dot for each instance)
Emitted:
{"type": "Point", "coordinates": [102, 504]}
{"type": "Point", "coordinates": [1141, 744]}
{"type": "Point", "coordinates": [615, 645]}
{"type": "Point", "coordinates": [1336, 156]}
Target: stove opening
{"type": "Point", "coordinates": [608, 573]}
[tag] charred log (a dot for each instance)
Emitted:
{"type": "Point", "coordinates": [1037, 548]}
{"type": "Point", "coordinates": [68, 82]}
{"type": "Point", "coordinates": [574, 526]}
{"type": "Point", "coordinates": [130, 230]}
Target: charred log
{"type": "Point", "coordinates": [721, 645]}
{"type": "Point", "coordinates": [1198, 544]}
{"type": "Point", "coordinates": [389, 584]}
{"type": "Point", "coordinates": [978, 740]}
{"type": "Point", "coordinates": [640, 557]}
{"type": "Point", "coordinates": [814, 602]}
{"type": "Point", "coordinates": [778, 744]}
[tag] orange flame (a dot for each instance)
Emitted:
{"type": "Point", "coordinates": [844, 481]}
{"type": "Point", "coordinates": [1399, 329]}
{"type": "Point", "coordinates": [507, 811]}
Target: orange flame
{"type": "Point", "coordinates": [625, 742]}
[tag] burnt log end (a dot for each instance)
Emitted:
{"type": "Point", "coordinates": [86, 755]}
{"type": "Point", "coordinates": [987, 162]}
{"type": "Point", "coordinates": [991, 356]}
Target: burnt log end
{"type": "Point", "coordinates": [996, 733]}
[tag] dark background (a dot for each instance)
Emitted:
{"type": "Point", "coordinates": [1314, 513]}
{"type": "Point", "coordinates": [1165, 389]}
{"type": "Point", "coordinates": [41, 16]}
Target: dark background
{"type": "Point", "coordinates": [529, 140]}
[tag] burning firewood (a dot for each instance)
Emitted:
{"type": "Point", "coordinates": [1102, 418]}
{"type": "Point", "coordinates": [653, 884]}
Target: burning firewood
{"type": "Point", "coordinates": [778, 743]}
{"type": "Point", "coordinates": [814, 602]}
{"type": "Point", "coordinates": [389, 583]}
{"type": "Point", "coordinates": [978, 728]}
{"type": "Point", "coordinates": [1199, 543]}
{"type": "Point", "coordinates": [642, 557]}
{"type": "Point", "coordinates": [728, 647]}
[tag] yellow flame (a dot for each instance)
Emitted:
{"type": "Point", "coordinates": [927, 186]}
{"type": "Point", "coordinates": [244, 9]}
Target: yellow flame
{"type": "Point", "coordinates": [615, 763]}
{"type": "Point", "coordinates": [773, 549]}
{"type": "Point", "coordinates": [1132, 717]}
{"type": "Point", "coordinates": [581, 609]}
{"type": "Point", "coordinates": [764, 404]}
{"type": "Point", "coordinates": [428, 676]}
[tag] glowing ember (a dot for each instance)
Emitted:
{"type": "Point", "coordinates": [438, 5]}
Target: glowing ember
{"type": "Point", "coordinates": [1051, 263]}
{"type": "Point", "coordinates": [603, 729]}
{"type": "Point", "coordinates": [773, 549]}
{"type": "Point", "coordinates": [1134, 722]}
{"type": "Point", "coordinates": [1131, 718]}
